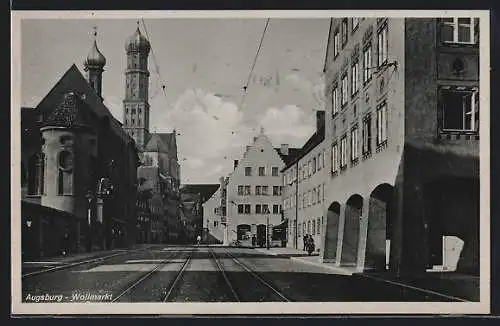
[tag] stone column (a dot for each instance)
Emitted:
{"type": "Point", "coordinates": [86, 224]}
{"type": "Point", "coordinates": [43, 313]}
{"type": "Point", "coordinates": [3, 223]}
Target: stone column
{"type": "Point", "coordinates": [340, 235]}
{"type": "Point", "coordinates": [330, 237]}
{"type": "Point", "coordinates": [363, 234]}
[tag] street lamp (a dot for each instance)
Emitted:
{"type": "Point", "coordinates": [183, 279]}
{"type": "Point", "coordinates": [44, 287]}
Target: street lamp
{"type": "Point", "coordinates": [267, 228]}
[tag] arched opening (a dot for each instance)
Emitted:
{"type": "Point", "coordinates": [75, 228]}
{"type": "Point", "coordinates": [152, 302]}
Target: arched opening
{"type": "Point", "coordinates": [243, 230]}
{"type": "Point", "coordinates": [332, 231]}
{"type": "Point", "coordinates": [379, 228]}
{"type": "Point", "coordinates": [261, 235]}
{"type": "Point", "coordinates": [452, 219]}
{"type": "Point", "coordinates": [350, 241]}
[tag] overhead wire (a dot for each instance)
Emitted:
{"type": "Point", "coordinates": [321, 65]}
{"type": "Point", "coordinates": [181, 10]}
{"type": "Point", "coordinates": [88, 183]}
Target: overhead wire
{"type": "Point", "coordinates": [245, 88]}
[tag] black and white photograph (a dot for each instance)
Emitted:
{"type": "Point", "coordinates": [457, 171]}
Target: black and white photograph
{"type": "Point", "coordinates": [311, 162]}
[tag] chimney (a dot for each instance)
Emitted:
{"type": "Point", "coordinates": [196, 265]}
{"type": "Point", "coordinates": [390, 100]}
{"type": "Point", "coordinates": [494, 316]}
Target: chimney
{"type": "Point", "coordinates": [320, 120]}
{"type": "Point", "coordinates": [235, 164]}
{"type": "Point", "coordinates": [284, 149]}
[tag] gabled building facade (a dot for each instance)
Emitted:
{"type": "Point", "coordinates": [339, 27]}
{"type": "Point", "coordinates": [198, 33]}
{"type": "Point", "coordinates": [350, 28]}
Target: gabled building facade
{"type": "Point", "coordinates": [251, 202]}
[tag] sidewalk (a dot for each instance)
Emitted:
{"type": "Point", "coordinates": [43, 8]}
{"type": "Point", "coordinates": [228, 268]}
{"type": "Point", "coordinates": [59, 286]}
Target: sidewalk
{"type": "Point", "coordinates": [452, 284]}
{"type": "Point", "coordinates": [36, 265]}
{"type": "Point", "coordinates": [284, 252]}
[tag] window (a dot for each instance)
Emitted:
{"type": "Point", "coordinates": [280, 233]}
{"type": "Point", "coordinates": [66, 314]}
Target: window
{"type": "Point", "coordinates": [382, 123]}
{"type": "Point", "coordinates": [335, 101]}
{"type": "Point", "coordinates": [262, 171]}
{"type": "Point", "coordinates": [343, 152]}
{"type": "Point", "coordinates": [319, 194]}
{"type": "Point", "coordinates": [318, 226]}
{"type": "Point", "coordinates": [383, 45]}
{"type": "Point", "coordinates": [335, 158]}
{"type": "Point", "coordinates": [354, 77]}
{"type": "Point", "coordinates": [304, 228]}
{"type": "Point", "coordinates": [344, 32]}
{"type": "Point", "coordinates": [258, 190]}
{"type": "Point", "coordinates": [248, 171]}
{"type": "Point", "coordinates": [323, 186]}
{"type": "Point", "coordinates": [276, 190]}
{"type": "Point", "coordinates": [133, 122]}
{"type": "Point", "coordinates": [241, 190]}
{"type": "Point", "coordinates": [354, 23]}
{"type": "Point", "coordinates": [281, 191]}
{"type": "Point", "coordinates": [275, 171]}
{"type": "Point", "coordinates": [265, 209]}
{"type": "Point", "coordinates": [241, 209]}
{"type": "Point", "coordinates": [308, 226]}
{"type": "Point", "coordinates": [460, 109]}
{"type": "Point", "coordinates": [320, 165]}
{"type": "Point", "coordinates": [258, 209]}
{"type": "Point", "coordinates": [314, 196]}
{"type": "Point", "coordinates": [265, 190]}
{"type": "Point", "coordinates": [336, 43]}
{"type": "Point", "coordinates": [367, 63]}
{"type": "Point", "coordinates": [354, 143]}
{"type": "Point", "coordinates": [313, 227]}
{"type": "Point", "coordinates": [276, 209]}
{"type": "Point", "coordinates": [133, 110]}
{"type": "Point", "coordinates": [300, 202]}
{"type": "Point", "coordinates": [343, 90]}
{"type": "Point", "coordinates": [314, 165]}
{"type": "Point", "coordinates": [215, 210]}
{"type": "Point", "coordinates": [247, 208]}
{"type": "Point", "coordinates": [247, 191]}
{"type": "Point", "coordinates": [458, 30]}
{"type": "Point", "coordinates": [323, 158]}
{"type": "Point", "coordinates": [215, 224]}
{"type": "Point", "coordinates": [367, 134]}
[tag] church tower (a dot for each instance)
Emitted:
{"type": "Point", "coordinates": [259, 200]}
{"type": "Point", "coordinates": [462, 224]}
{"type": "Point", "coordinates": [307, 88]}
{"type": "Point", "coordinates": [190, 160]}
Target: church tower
{"type": "Point", "coordinates": [94, 66]}
{"type": "Point", "coordinates": [135, 104]}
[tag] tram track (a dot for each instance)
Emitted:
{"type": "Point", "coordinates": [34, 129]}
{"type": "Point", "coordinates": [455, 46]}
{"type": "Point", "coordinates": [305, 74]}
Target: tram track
{"type": "Point", "coordinates": [239, 297]}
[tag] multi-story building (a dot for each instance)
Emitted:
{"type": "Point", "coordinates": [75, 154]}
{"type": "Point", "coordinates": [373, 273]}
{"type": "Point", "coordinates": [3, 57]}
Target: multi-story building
{"type": "Point", "coordinates": [212, 219]}
{"type": "Point", "coordinates": [402, 135]}
{"type": "Point", "coordinates": [192, 198]}
{"type": "Point", "coordinates": [251, 197]}
{"type": "Point", "coordinates": [304, 179]}
{"type": "Point", "coordinates": [79, 168]}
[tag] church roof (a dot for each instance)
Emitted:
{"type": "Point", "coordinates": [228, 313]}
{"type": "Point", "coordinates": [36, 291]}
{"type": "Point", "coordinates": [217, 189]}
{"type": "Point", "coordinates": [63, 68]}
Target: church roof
{"type": "Point", "coordinates": [74, 81]}
{"type": "Point", "coordinates": [72, 112]}
{"type": "Point", "coordinates": [162, 142]}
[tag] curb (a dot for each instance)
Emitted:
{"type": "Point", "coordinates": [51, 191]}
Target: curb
{"type": "Point", "coordinates": [338, 270]}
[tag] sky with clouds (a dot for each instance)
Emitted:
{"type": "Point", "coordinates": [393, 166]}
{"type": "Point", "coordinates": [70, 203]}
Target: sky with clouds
{"type": "Point", "coordinates": [204, 64]}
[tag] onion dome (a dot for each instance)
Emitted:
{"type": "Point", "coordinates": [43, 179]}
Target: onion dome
{"type": "Point", "coordinates": [137, 42]}
{"type": "Point", "coordinates": [95, 58]}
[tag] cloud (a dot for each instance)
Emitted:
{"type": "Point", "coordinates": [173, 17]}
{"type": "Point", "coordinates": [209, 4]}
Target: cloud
{"type": "Point", "coordinates": [289, 124]}
{"type": "Point", "coordinates": [210, 129]}
{"type": "Point", "coordinates": [315, 88]}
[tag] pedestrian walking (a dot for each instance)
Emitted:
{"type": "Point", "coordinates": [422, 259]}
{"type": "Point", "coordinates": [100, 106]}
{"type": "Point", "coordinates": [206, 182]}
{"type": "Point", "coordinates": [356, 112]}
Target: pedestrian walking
{"type": "Point", "coordinates": [306, 236]}
{"type": "Point", "coordinates": [310, 245]}
{"type": "Point", "coordinates": [198, 239]}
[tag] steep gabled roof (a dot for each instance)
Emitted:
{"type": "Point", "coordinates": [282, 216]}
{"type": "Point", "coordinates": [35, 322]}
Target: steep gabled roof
{"type": "Point", "coordinates": [313, 141]}
{"type": "Point", "coordinates": [74, 81]}
{"type": "Point", "coordinates": [205, 190]}
{"type": "Point", "coordinates": [292, 152]}
{"type": "Point", "coordinates": [72, 112]}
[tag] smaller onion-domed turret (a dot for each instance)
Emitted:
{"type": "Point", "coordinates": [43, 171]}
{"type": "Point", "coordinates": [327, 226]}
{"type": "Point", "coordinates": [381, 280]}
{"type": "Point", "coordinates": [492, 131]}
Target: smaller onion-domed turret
{"type": "Point", "coordinates": [137, 42]}
{"type": "Point", "coordinates": [95, 58]}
